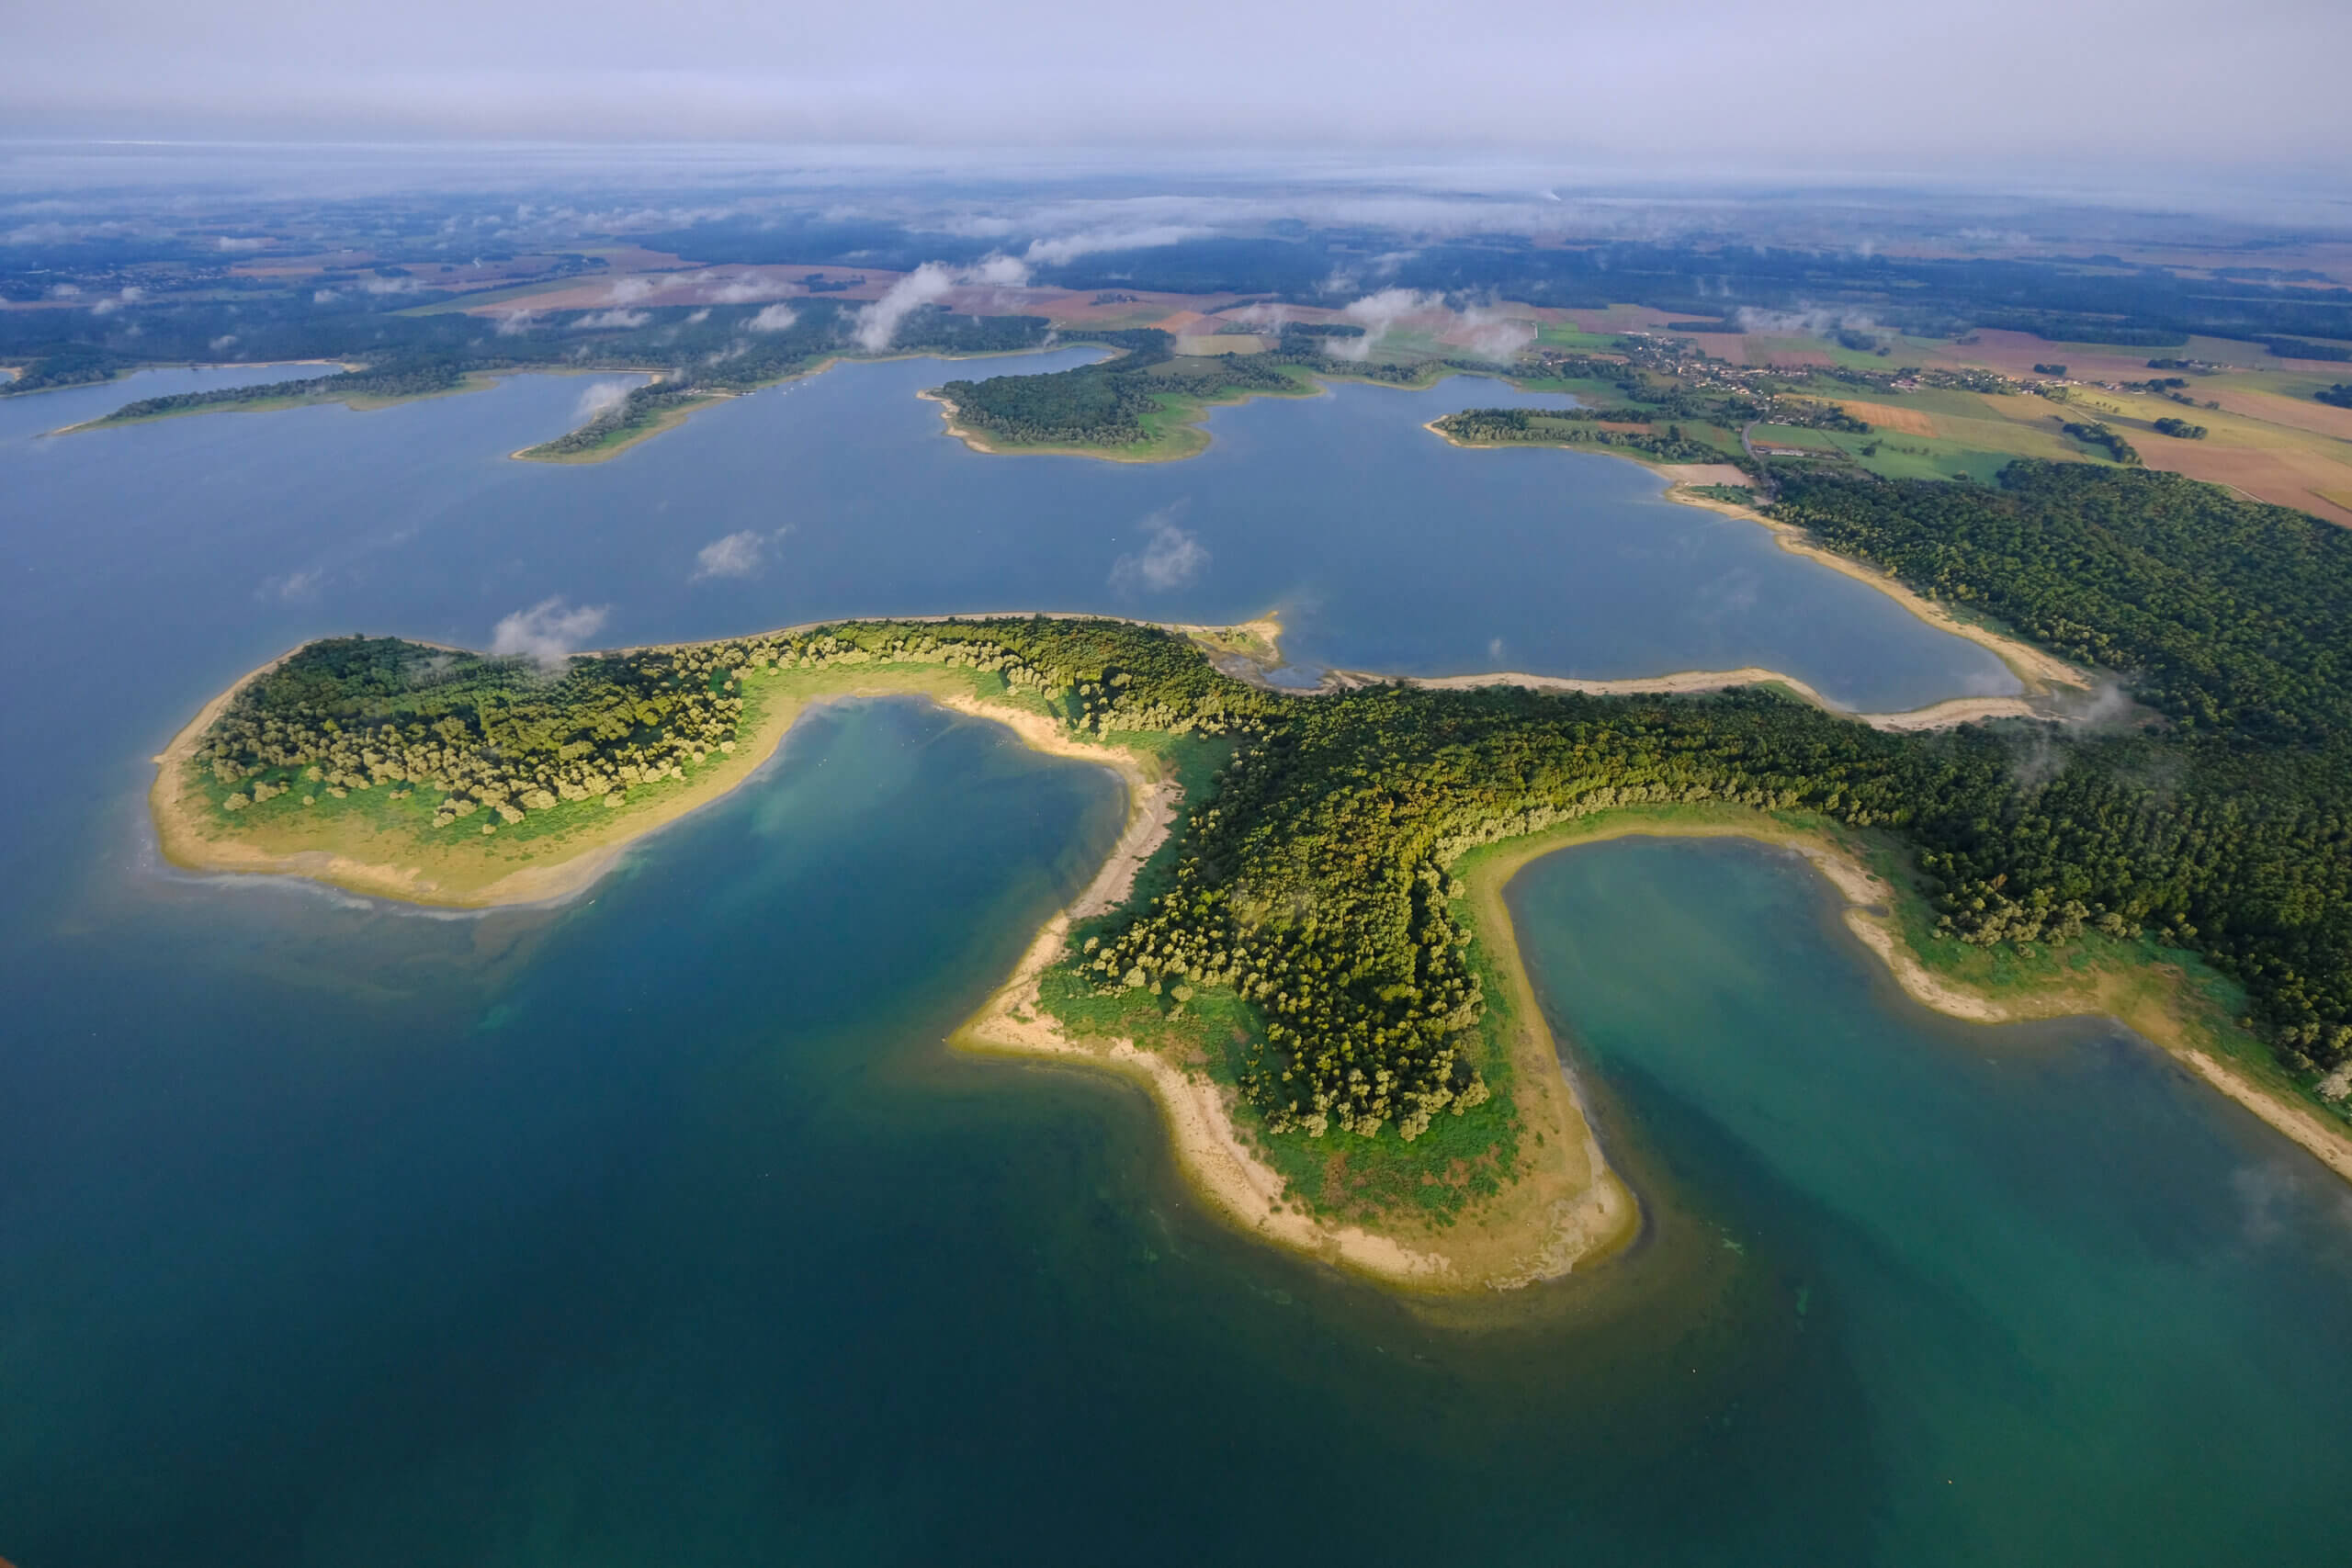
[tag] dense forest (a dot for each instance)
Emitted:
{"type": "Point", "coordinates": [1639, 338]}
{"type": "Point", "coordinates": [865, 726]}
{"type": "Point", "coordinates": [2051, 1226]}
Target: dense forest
{"type": "Point", "coordinates": [1314, 879]}
{"type": "Point", "coordinates": [414, 380]}
{"type": "Point", "coordinates": [2231, 827]}
{"type": "Point", "coordinates": [507, 735]}
{"type": "Point", "coordinates": [638, 410]}
{"type": "Point", "coordinates": [2339, 394]}
{"type": "Point", "coordinates": [1579, 427]}
{"type": "Point", "coordinates": [1103, 405]}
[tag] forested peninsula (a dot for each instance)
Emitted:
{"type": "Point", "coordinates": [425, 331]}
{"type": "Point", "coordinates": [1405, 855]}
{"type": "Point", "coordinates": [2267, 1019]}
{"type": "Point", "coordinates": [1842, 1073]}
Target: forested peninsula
{"type": "Point", "coordinates": [1145, 402]}
{"type": "Point", "coordinates": [1309, 946]}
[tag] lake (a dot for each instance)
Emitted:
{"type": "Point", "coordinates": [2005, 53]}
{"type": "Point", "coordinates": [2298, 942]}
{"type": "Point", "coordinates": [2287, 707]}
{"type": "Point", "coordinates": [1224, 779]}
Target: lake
{"type": "Point", "coordinates": [662, 1226]}
{"type": "Point", "coordinates": [1383, 547]}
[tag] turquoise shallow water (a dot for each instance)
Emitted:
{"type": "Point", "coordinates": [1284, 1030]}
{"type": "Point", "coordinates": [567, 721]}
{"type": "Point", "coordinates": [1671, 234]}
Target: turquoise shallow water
{"type": "Point", "coordinates": [661, 1227]}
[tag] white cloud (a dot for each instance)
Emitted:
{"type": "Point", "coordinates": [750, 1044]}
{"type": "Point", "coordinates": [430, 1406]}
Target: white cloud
{"type": "Point", "coordinates": [774, 318]}
{"type": "Point", "coordinates": [548, 632]}
{"type": "Point", "coordinates": [391, 285]}
{"type": "Point", "coordinates": [878, 324]}
{"type": "Point", "coordinates": [1172, 557]}
{"type": "Point", "coordinates": [1492, 335]}
{"type": "Point", "coordinates": [699, 317]}
{"type": "Point", "coordinates": [1806, 320]}
{"type": "Point", "coordinates": [292, 586]}
{"type": "Point", "coordinates": [324, 296]}
{"type": "Point", "coordinates": [741, 291]}
{"type": "Point", "coordinates": [630, 291]}
{"type": "Point", "coordinates": [598, 398]}
{"type": "Point", "coordinates": [64, 291]}
{"type": "Point", "coordinates": [619, 319]}
{"type": "Point", "coordinates": [999, 272]}
{"type": "Point", "coordinates": [737, 555]}
{"type": "Point", "coordinates": [513, 323]}
{"type": "Point", "coordinates": [1376, 314]}
{"type": "Point", "coordinates": [224, 343]}
{"type": "Point", "coordinates": [1069, 247]}
{"type": "Point", "coordinates": [131, 296]}
{"type": "Point", "coordinates": [227, 243]}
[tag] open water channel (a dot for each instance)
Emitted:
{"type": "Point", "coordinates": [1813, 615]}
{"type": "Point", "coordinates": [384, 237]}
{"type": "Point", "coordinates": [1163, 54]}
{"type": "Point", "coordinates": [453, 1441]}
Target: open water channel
{"type": "Point", "coordinates": [660, 1227]}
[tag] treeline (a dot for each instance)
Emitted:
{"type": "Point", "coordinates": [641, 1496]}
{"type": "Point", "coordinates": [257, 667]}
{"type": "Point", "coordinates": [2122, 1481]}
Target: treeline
{"type": "Point", "coordinates": [508, 735]}
{"type": "Point", "coordinates": [2231, 831]}
{"type": "Point", "coordinates": [2230, 617]}
{"type": "Point", "coordinates": [637, 410]}
{"type": "Point", "coordinates": [1104, 404]}
{"type": "Point", "coordinates": [2105, 438]}
{"type": "Point", "coordinates": [391, 381]}
{"type": "Point", "coordinates": [729, 347]}
{"type": "Point", "coordinates": [2339, 394]}
{"type": "Point", "coordinates": [1089, 405]}
{"type": "Point", "coordinates": [1314, 881]}
{"type": "Point", "coordinates": [1573, 428]}
{"type": "Point", "coordinates": [2301, 348]}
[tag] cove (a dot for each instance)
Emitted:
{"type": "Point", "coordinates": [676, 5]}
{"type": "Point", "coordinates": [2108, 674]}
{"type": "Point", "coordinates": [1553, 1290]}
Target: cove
{"type": "Point", "coordinates": [1383, 547]}
{"type": "Point", "coordinates": [662, 1226]}
{"type": "Point", "coordinates": [2078, 1307]}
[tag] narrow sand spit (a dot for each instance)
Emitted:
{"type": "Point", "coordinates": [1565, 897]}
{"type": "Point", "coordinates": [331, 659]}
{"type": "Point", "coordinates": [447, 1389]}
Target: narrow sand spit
{"type": "Point", "coordinates": [1936, 716]}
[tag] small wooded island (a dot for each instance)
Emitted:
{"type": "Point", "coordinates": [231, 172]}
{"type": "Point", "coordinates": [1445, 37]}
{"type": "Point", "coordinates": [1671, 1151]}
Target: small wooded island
{"type": "Point", "coordinates": [1302, 944]}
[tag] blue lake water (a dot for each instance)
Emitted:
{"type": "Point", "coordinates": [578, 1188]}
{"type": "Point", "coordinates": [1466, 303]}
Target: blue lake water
{"type": "Point", "coordinates": [662, 1227]}
{"type": "Point", "coordinates": [1383, 548]}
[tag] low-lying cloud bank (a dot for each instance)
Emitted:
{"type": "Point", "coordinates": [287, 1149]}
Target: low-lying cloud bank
{"type": "Point", "coordinates": [549, 632]}
{"type": "Point", "coordinates": [878, 324]}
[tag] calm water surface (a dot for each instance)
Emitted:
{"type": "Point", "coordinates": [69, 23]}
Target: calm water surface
{"type": "Point", "coordinates": [660, 1227]}
{"type": "Point", "coordinates": [1383, 547]}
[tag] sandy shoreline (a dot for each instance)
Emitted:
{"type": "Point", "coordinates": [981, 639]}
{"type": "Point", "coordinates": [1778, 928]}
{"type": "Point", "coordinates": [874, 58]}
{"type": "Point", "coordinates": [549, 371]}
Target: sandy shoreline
{"type": "Point", "coordinates": [181, 837]}
{"type": "Point", "coordinates": [1935, 716]}
{"type": "Point", "coordinates": [1571, 1207]}
{"type": "Point", "coordinates": [2035, 669]}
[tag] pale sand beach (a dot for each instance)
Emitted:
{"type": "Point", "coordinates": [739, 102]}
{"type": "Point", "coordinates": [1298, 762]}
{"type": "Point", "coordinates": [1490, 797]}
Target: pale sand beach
{"type": "Point", "coordinates": [1567, 1208]}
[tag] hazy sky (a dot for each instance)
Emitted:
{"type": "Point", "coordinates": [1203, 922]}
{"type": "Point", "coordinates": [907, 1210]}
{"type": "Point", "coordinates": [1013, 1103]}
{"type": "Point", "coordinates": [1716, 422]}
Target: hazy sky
{"type": "Point", "coordinates": [1732, 84]}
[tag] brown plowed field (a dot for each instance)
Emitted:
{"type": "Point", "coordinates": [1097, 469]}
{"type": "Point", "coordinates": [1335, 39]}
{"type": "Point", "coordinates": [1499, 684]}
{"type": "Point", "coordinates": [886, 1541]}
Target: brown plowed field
{"type": "Point", "coordinates": [2300, 479]}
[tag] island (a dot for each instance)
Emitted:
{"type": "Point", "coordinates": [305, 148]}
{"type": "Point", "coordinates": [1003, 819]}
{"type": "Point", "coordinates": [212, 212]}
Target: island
{"type": "Point", "coordinates": [1301, 945]}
